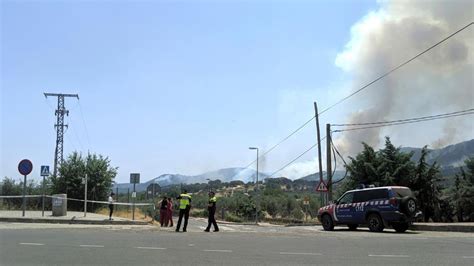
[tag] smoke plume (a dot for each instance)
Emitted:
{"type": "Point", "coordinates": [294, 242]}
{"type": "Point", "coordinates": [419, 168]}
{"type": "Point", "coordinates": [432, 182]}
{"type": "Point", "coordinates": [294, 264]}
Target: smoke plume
{"type": "Point", "coordinates": [437, 82]}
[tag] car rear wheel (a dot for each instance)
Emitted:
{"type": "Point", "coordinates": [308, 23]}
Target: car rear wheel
{"type": "Point", "coordinates": [327, 222]}
{"type": "Point", "coordinates": [352, 227]}
{"type": "Point", "coordinates": [375, 223]}
{"type": "Point", "coordinates": [400, 227]}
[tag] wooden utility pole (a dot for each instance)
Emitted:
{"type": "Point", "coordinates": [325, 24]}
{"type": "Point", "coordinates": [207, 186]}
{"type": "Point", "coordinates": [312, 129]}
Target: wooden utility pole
{"type": "Point", "coordinates": [319, 147]}
{"type": "Point", "coordinates": [328, 160]}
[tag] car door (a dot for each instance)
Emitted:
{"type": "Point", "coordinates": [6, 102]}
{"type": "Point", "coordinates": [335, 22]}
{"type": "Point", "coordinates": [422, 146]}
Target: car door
{"type": "Point", "coordinates": [360, 202]}
{"type": "Point", "coordinates": [344, 208]}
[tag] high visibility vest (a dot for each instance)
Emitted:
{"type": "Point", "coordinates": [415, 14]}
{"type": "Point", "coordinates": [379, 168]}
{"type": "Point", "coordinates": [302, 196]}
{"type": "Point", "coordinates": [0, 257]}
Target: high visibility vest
{"type": "Point", "coordinates": [213, 199]}
{"type": "Point", "coordinates": [184, 201]}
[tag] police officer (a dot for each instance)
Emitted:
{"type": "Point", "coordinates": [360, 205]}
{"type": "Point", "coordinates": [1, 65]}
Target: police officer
{"type": "Point", "coordinates": [184, 207]}
{"type": "Point", "coordinates": [211, 208]}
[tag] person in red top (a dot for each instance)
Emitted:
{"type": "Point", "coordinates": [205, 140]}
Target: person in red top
{"type": "Point", "coordinates": [170, 212]}
{"type": "Point", "coordinates": [163, 211]}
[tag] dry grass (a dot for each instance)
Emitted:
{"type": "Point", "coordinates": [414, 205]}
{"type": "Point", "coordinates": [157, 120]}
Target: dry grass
{"type": "Point", "coordinates": [139, 215]}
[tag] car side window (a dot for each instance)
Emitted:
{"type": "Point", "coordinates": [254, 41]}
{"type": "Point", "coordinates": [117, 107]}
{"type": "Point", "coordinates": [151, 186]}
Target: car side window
{"type": "Point", "coordinates": [378, 194]}
{"type": "Point", "coordinates": [346, 198]}
{"type": "Point", "coordinates": [361, 196]}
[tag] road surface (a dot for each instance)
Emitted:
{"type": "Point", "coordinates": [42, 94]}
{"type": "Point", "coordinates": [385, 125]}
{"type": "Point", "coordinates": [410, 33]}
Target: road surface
{"type": "Point", "coordinates": [32, 244]}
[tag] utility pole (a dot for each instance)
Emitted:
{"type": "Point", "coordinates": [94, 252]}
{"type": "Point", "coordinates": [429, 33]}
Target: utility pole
{"type": "Point", "coordinates": [319, 147]}
{"type": "Point", "coordinates": [85, 195]}
{"type": "Point", "coordinates": [257, 192]}
{"type": "Point", "coordinates": [60, 112]}
{"type": "Point", "coordinates": [328, 160]}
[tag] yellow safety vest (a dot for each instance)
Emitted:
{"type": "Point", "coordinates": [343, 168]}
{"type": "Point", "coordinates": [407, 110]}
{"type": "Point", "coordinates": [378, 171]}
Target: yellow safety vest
{"type": "Point", "coordinates": [213, 199]}
{"type": "Point", "coordinates": [184, 201]}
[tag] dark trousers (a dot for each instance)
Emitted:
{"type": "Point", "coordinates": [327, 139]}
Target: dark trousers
{"type": "Point", "coordinates": [111, 208]}
{"type": "Point", "coordinates": [185, 213]}
{"type": "Point", "coordinates": [212, 221]}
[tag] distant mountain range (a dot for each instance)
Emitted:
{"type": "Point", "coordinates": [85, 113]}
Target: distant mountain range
{"type": "Point", "coordinates": [225, 175]}
{"type": "Point", "coordinates": [450, 159]}
{"type": "Point", "coordinates": [452, 156]}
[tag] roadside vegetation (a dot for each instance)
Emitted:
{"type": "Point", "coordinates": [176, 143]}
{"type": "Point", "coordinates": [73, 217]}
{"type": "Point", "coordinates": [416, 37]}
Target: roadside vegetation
{"type": "Point", "coordinates": [280, 200]}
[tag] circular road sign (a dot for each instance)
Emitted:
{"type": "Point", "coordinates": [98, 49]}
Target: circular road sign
{"type": "Point", "coordinates": [25, 167]}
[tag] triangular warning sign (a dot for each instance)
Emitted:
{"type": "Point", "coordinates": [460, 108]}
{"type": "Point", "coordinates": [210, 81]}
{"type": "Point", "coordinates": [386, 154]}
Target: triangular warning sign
{"type": "Point", "coordinates": [322, 187]}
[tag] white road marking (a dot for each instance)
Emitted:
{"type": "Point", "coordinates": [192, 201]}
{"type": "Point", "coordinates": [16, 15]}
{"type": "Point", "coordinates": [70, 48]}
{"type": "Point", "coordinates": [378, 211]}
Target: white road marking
{"type": "Point", "coordinates": [226, 228]}
{"type": "Point", "coordinates": [218, 250]}
{"type": "Point", "coordinates": [91, 246]}
{"type": "Point", "coordinates": [155, 248]}
{"type": "Point", "coordinates": [300, 253]}
{"type": "Point", "coordinates": [191, 245]}
{"type": "Point", "coordinates": [389, 256]}
{"type": "Point", "coordinates": [32, 244]}
{"type": "Point", "coordinates": [468, 257]}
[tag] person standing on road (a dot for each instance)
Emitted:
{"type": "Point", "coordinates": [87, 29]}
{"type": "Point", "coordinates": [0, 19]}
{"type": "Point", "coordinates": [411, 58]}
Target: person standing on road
{"type": "Point", "coordinates": [170, 212]}
{"type": "Point", "coordinates": [164, 211]}
{"type": "Point", "coordinates": [184, 207]}
{"type": "Point", "coordinates": [111, 205]}
{"type": "Point", "coordinates": [211, 208]}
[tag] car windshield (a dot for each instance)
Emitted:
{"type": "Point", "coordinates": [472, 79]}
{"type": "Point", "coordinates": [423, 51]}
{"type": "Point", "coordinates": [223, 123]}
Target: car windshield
{"type": "Point", "coordinates": [402, 192]}
{"type": "Point", "coordinates": [347, 198]}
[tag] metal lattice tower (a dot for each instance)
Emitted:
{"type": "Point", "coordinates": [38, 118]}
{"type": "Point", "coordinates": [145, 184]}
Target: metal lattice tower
{"type": "Point", "coordinates": [60, 112]}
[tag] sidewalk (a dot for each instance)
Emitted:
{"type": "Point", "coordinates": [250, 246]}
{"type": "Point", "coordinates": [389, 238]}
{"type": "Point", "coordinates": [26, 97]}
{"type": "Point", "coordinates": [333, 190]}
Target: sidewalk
{"type": "Point", "coordinates": [71, 218]}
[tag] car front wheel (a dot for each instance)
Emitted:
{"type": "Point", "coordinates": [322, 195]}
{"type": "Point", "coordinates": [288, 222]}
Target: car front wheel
{"type": "Point", "coordinates": [375, 223]}
{"type": "Point", "coordinates": [327, 222]}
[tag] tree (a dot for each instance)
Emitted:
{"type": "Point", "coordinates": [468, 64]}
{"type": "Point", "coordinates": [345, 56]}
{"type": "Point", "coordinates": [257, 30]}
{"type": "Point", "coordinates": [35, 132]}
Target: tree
{"type": "Point", "coordinates": [462, 194]}
{"type": "Point", "coordinates": [426, 186]}
{"type": "Point", "coordinates": [100, 178]}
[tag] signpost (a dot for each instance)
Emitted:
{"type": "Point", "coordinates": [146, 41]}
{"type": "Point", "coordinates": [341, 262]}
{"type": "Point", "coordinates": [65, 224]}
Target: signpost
{"type": "Point", "coordinates": [25, 167]}
{"type": "Point", "coordinates": [44, 173]}
{"type": "Point", "coordinates": [134, 179]}
{"type": "Point", "coordinates": [306, 204]}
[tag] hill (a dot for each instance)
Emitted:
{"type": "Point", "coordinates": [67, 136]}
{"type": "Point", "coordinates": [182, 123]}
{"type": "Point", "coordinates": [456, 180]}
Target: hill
{"type": "Point", "coordinates": [225, 175]}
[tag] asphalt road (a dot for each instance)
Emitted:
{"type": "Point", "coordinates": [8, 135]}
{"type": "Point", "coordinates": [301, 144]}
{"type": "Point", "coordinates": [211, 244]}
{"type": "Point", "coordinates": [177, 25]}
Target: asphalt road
{"type": "Point", "coordinates": [234, 245]}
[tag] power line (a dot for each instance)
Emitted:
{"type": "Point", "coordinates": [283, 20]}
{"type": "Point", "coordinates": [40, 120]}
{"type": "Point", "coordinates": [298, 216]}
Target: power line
{"type": "Point", "coordinates": [275, 146]}
{"type": "Point", "coordinates": [344, 161]}
{"type": "Point", "coordinates": [403, 120]}
{"type": "Point", "coordinates": [84, 123]}
{"type": "Point", "coordinates": [396, 68]}
{"type": "Point", "coordinates": [406, 122]}
{"type": "Point", "coordinates": [299, 156]}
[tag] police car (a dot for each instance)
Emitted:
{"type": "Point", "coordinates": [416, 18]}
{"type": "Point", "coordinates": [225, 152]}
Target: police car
{"type": "Point", "coordinates": [377, 207]}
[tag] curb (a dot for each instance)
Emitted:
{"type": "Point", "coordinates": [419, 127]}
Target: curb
{"type": "Point", "coordinates": [419, 227]}
{"type": "Point", "coordinates": [72, 221]}
{"type": "Point", "coordinates": [443, 228]}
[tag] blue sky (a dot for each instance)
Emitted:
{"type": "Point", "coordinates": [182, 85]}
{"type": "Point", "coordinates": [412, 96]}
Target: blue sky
{"type": "Point", "coordinates": [170, 87]}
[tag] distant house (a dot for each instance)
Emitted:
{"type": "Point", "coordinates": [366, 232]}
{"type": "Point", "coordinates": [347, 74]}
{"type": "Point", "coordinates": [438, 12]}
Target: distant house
{"type": "Point", "coordinates": [152, 189]}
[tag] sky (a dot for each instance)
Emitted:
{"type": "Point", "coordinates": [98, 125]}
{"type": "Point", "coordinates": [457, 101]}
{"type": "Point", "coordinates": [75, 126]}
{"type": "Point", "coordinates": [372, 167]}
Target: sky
{"type": "Point", "coordinates": [182, 86]}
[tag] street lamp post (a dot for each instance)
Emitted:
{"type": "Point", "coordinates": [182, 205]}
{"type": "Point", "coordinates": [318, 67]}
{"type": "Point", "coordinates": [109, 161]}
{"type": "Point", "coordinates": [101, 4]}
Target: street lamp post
{"type": "Point", "coordinates": [257, 190]}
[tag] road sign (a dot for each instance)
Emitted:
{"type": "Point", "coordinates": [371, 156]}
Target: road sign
{"type": "Point", "coordinates": [322, 187]}
{"type": "Point", "coordinates": [25, 167]}
{"type": "Point", "coordinates": [134, 194]}
{"type": "Point", "coordinates": [134, 178]}
{"type": "Point", "coordinates": [45, 170]}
